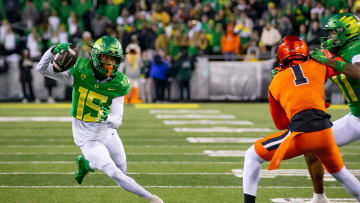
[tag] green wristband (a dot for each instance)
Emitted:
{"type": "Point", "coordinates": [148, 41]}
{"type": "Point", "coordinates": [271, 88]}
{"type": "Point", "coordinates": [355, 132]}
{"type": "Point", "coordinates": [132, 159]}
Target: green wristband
{"type": "Point", "coordinates": [340, 65]}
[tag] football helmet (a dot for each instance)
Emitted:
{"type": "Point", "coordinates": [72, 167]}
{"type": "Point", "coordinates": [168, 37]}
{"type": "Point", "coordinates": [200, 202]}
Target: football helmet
{"type": "Point", "coordinates": [106, 45]}
{"type": "Point", "coordinates": [343, 28]}
{"type": "Point", "coordinates": [291, 48]}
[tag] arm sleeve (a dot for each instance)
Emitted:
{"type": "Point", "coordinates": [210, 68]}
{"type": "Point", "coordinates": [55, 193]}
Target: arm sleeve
{"type": "Point", "coordinates": [330, 70]}
{"type": "Point", "coordinates": [46, 68]}
{"type": "Point", "coordinates": [278, 114]}
{"type": "Point", "coordinates": [114, 119]}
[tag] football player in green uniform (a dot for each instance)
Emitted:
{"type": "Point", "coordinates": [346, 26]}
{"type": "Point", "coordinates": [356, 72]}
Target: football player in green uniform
{"type": "Point", "coordinates": [343, 41]}
{"type": "Point", "coordinates": [97, 110]}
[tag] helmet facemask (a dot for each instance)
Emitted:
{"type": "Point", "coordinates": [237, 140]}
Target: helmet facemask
{"type": "Point", "coordinates": [343, 28]}
{"type": "Point", "coordinates": [331, 42]}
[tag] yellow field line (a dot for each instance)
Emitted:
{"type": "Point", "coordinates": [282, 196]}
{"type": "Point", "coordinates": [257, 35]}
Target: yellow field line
{"type": "Point", "coordinates": [34, 106]}
{"type": "Point", "coordinates": [166, 106]}
{"type": "Point", "coordinates": [339, 106]}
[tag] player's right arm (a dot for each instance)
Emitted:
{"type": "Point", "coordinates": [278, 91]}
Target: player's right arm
{"type": "Point", "coordinates": [45, 67]}
{"type": "Point", "coordinates": [351, 70]}
{"type": "Point", "coordinates": [278, 114]}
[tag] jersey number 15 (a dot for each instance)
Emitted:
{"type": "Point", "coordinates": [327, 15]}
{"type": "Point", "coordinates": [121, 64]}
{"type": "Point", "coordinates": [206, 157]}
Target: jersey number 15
{"type": "Point", "coordinates": [89, 96]}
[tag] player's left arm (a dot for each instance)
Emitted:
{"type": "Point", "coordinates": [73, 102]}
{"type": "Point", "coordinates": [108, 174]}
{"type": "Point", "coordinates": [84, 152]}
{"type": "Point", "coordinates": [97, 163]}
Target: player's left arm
{"type": "Point", "coordinates": [114, 118]}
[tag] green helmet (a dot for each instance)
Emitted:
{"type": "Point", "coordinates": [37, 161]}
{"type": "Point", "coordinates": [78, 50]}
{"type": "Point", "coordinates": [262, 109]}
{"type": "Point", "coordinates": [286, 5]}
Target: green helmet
{"type": "Point", "coordinates": [343, 27]}
{"type": "Point", "coordinates": [110, 46]}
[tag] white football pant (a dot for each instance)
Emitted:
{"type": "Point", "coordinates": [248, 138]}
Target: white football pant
{"type": "Point", "coordinates": [108, 155]}
{"type": "Point", "coordinates": [346, 129]}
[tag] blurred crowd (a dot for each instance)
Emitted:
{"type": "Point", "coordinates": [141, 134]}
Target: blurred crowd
{"type": "Point", "coordinates": [162, 38]}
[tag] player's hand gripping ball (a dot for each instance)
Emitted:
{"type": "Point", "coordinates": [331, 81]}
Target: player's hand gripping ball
{"type": "Point", "coordinates": [66, 55]}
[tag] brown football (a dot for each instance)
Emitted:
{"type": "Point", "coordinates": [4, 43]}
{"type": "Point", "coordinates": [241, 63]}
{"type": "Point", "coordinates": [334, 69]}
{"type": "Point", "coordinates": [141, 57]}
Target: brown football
{"type": "Point", "coordinates": [66, 59]}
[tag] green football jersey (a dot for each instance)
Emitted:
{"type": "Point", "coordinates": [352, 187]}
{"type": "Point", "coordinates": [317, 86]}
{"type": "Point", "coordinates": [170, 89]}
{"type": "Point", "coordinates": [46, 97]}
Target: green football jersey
{"type": "Point", "coordinates": [350, 87]}
{"type": "Point", "coordinates": [88, 93]}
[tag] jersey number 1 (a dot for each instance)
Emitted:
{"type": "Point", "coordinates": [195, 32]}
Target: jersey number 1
{"type": "Point", "coordinates": [89, 96]}
{"type": "Point", "coordinates": [300, 79]}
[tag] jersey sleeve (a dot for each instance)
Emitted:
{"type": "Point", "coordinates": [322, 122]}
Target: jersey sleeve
{"type": "Point", "coordinates": [278, 114]}
{"type": "Point", "coordinates": [123, 85]}
{"type": "Point", "coordinates": [355, 59]}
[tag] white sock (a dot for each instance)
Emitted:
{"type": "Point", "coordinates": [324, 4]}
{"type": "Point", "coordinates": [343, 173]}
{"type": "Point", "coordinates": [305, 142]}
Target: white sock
{"type": "Point", "coordinates": [349, 182]}
{"type": "Point", "coordinates": [92, 166]}
{"type": "Point", "coordinates": [125, 181]}
{"type": "Point", "coordinates": [251, 172]}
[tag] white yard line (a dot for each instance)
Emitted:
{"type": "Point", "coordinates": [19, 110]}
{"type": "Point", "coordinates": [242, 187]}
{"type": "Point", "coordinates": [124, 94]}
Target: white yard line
{"type": "Point", "coordinates": [290, 172]}
{"type": "Point", "coordinates": [303, 200]}
{"type": "Point", "coordinates": [221, 130]}
{"type": "Point", "coordinates": [100, 173]}
{"type": "Point", "coordinates": [225, 153]}
{"type": "Point", "coordinates": [159, 186]}
{"type": "Point", "coordinates": [183, 111]}
{"type": "Point", "coordinates": [37, 119]}
{"type": "Point", "coordinates": [195, 116]}
{"type": "Point", "coordinates": [129, 162]}
{"type": "Point", "coordinates": [77, 153]}
{"type": "Point", "coordinates": [206, 122]}
{"type": "Point", "coordinates": [37, 139]}
{"type": "Point", "coordinates": [221, 140]}
{"type": "Point", "coordinates": [153, 162]}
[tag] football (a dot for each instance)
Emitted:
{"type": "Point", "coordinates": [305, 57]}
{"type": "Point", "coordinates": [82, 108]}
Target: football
{"type": "Point", "coordinates": [66, 59]}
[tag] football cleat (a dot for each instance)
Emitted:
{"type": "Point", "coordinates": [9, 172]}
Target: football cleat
{"type": "Point", "coordinates": [155, 199]}
{"type": "Point", "coordinates": [83, 168]}
{"type": "Point", "coordinates": [319, 198]}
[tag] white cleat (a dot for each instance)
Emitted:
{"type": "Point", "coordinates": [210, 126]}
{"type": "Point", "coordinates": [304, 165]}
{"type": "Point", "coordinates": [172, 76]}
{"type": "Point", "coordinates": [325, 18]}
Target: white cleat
{"type": "Point", "coordinates": [319, 198]}
{"type": "Point", "coordinates": [155, 199]}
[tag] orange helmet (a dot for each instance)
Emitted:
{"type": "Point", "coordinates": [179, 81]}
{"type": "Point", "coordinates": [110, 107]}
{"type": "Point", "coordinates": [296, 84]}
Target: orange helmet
{"type": "Point", "coordinates": [291, 48]}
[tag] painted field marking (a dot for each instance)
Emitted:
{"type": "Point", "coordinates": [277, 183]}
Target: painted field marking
{"type": "Point", "coordinates": [221, 140]}
{"type": "Point", "coordinates": [205, 122]}
{"type": "Point", "coordinates": [100, 173]}
{"type": "Point", "coordinates": [34, 106]}
{"type": "Point", "coordinates": [339, 106]}
{"type": "Point", "coordinates": [241, 153]}
{"type": "Point", "coordinates": [77, 153]}
{"type": "Point", "coordinates": [159, 186]}
{"type": "Point", "coordinates": [221, 130]}
{"type": "Point", "coordinates": [183, 111]}
{"type": "Point", "coordinates": [129, 162]}
{"type": "Point", "coordinates": [35, 139]}
{"type": "Point", "coordinates": [291, 172]}
{"type": "Point", "coordinates": [37, 119]}
{"type": "Point", "coordinates": [355, 147]}
{"type": "Point", "coordinates": [305, 200]}
{"type": "Point", "coordinates": [195, 116]}
{"type": "Point", "coordinates": [159, 162]}
{"type": "Point", "coordinates": [166, 106]}
{"type": "Point", "coordinates": [225, 153]}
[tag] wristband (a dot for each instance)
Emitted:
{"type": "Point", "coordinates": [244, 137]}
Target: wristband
{"type": "Point", "coordinates": [340, 65]}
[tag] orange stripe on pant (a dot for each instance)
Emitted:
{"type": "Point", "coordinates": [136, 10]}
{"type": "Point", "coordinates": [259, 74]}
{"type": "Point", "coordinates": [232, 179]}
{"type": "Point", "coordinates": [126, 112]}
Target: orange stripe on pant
{"type": "Point", "coordinates": [321, 143]}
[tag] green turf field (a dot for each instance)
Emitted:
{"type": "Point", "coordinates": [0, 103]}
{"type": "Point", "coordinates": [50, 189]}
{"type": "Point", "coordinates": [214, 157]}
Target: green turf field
{"type": "Point", "coordinates": [37, 158]}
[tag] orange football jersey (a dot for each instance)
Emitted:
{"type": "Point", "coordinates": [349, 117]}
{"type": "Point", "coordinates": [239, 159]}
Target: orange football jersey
{"type": "Point", "coordinates": [298, 88]}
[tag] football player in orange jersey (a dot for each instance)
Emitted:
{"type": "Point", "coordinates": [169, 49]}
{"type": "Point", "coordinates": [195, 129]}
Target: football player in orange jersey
{"type": "Point", "coordinates": [297, 106]}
